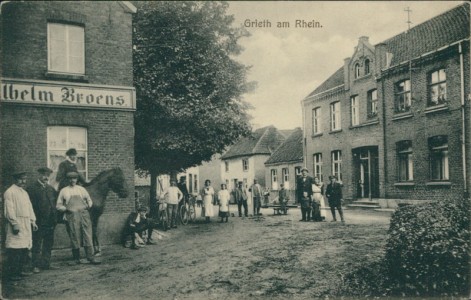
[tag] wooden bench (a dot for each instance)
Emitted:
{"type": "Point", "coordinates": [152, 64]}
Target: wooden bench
{"type": "Point", "coordinates": [278, 210]}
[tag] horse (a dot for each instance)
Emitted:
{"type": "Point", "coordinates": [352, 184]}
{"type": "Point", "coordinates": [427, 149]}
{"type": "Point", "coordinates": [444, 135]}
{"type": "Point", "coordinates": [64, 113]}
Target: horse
{"type": "Point", "coordinates": [98, 188]}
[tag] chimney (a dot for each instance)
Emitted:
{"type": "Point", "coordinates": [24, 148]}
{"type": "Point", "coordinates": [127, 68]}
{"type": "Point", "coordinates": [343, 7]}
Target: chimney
{"type": "Point", "coordinates": [346, 73]}
{"type": "Point", "coordinates": [380, 58]}
{"type": "Point", "coordinates": [364, 39]}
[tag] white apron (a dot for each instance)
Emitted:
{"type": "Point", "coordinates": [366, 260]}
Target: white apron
{"type": "Point", "coordinates": [208, 196]}
{"type": "Point", "coordinates": [317, 196]}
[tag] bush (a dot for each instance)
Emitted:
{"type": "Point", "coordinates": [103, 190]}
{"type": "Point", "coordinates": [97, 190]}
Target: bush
{"type": "Point", "coordinates": [427, 252]}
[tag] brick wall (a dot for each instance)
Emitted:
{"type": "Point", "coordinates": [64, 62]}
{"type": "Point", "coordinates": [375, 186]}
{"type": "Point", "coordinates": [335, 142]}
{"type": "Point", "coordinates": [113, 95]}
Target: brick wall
{"type": "Point", "coordinates": [422, 125]}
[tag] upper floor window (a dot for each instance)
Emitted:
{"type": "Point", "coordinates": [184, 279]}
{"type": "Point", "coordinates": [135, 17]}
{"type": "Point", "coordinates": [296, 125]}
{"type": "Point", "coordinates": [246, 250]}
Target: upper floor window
{"type": "Point", "coordinates": [402, 96]}
{"type": "Point", "coordinates": [335, 116]}
{"type": "Point", "coordinates": [245, 164]}
{"type": "Point", "coordinates": [318, 165]}
{"type": "Point", "coordinates": [62, 138]}
{"type": "Point", "coordinates": [437, 87]}
{"type": "Point", "coordinates": [337, 164]}
{"type": "Point", "coordinates": [357, 70]}
{"type": "Point", "coordinates": [66, 48]}
{"type": "Point", "coordinates": [226, 166]}
{"type": "Point", "coordinates": [438, 146]}
{"type": "Point", "coordinates": [367, 66]}
{"type": "Point", "coordinates": [355, 106]}
{"type": "Point", "coordinates": [405, 165]}
{"type": "Point", "coordinates": [372, 99]}
{"type": "Point", "coordinates": [316, 120]}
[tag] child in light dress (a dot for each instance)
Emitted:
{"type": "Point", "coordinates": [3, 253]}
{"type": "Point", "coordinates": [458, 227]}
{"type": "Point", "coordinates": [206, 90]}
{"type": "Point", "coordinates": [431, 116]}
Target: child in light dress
{"type": "Point", "coordinates": [223, 197]}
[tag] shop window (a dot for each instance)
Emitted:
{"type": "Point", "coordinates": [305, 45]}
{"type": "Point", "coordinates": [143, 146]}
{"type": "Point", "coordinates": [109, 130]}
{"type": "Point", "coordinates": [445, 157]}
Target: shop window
{"type": "Point", "coordinates": [405, 165]}
{"type": "Point", "coordinates": [285, 176]}
{"type": "Point", "coordinates": [335, 116]}
{"type": "Point", "coordinates": [437, 88]}
{"type": "Point", "coordinates": [66, 48]}
{"type": "Point", "coordinates": [357, 70]}
{"type": "Point", "coordinates": [372, 99]}
{"type": "Point", "coordinates": [337, 164]}
{"type": "Point", "coordinates": [274, 179]}
{"type": "Point", "coordinates": [318, 165]}
{"type": "Point", "coordinates": [226, 165]}
{"type": "Point", "coordinates": [316, 120]}
{"type": "Point", "coordinates": [367, 66]}
{"type": "Point", "coordinates": [438, 146]}
{"type": "Point", "coordinates": [62, 138]}
{"type": "Point", "coordinates": [355, 106]}
{"type": "Point", "coordinates": [245, 164]}
{"type": "Point", "coordinates": [402, 97]}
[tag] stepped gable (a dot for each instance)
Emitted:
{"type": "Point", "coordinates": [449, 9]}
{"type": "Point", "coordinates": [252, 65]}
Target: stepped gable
{"type": "Point", "coordinates": [290, 151]}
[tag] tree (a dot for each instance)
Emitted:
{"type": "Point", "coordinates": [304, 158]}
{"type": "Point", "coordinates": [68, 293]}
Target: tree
{"type": "Point", "coordinates": [189, 86]}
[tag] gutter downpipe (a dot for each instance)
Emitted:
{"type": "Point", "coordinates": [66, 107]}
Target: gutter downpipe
{"type": "Point", "coordinates": [463, 122]}
{"type": "Point", "coordinates": [304, 135]}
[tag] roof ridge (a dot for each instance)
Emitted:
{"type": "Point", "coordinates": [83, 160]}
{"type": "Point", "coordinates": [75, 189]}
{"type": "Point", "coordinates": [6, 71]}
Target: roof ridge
{"type": "Point", "coordinates": [423, 22]}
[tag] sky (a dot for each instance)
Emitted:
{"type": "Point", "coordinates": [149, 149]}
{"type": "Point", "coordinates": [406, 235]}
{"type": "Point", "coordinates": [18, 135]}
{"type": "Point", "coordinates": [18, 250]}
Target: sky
{"type": "Point", "coordinates": [289, 63]}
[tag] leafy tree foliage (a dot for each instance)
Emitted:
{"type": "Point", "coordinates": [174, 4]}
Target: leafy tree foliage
{"type": "Point", "coordinates": [188, 84]}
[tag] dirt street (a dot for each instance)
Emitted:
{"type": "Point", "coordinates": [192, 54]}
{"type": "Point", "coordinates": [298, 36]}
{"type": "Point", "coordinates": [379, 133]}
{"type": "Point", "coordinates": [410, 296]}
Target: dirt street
{"type": "Point", "coordinates": [266, 257]}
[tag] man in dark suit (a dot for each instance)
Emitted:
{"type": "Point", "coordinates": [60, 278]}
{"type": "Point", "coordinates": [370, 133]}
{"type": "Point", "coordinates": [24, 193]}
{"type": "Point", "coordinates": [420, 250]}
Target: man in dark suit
{"type": "Point", "coordinates": [304, 193]}
{"type": "Point", "coordinates": [136, 224]}
{"type": "Point", "coordinates": [43, 199]}
{"type": "Point", "coordinates": [241, 195]}
{"type": "Point", "coordinates": [333, 193]}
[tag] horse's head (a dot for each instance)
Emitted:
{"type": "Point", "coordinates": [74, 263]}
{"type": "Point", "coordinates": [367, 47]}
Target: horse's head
{"type": "Point", "coordinates": [117, 183]}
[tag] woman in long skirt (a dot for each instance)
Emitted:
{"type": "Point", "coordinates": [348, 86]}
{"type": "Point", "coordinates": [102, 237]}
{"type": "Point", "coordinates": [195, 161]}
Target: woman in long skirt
{"type": "Point", "coordinates": [317, 192]}
{"type": "Point", "coordinates": [207, 193]}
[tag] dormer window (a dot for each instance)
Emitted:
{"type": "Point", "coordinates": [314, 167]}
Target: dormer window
{"type": "Point", "coordinates": [357, 70]}
{"type": "Point", "coordinates": [367, 66]}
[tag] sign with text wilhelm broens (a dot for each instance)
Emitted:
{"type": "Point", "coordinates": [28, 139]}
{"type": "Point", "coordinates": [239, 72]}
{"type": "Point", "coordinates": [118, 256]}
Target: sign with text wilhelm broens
{"type": "Point", "coordinates": [67, 94]}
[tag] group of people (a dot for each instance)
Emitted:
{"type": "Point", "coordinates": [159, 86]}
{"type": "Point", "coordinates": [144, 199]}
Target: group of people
{"type": "Point", "coordinates": [310, 191]}
{"type": "Point", "coordinates": [33, 211]}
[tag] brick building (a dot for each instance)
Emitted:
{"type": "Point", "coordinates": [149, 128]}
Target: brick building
{"type": "Point", "coordinates": [393, 122]}
{"type": "Point", "coordinates": [67, 81]}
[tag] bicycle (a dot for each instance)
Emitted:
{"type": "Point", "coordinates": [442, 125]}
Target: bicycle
{"type": "Point", "coordinates": [187, 212]}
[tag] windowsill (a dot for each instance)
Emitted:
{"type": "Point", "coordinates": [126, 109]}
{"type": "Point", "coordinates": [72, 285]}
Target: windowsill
{"type": "Point", "coordinates": [69, 77]}
{"type": "Point", "coordinates": [317, 135]}
{"type": "Point", "coordinates": [438, 183]}
{"type": "Point", "coordinates": [362, 77]}
{"type": "Point", "coordinates": [404, 183]}
{"type": "Point", "coordinates": [401, 116]}
{"type": "Point", "coordinates": [369, 123]}
{"type": "Point", "coordinates": [436, 108]}
{"type": "Point", "coordinates": [335, 131]}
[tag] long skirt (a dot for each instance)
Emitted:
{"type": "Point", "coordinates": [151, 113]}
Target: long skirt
{"type": "Point", "coordinates": [208, 206]}
{"type": "Point", "coordinates": [318, 197]}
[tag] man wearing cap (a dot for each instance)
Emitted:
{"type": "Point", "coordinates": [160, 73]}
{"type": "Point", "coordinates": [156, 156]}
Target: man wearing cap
{"type": "Point", "coordinates": [20, 219]}
{"type": "Point", "coordinates": [43, 199]}
{"type": "Point", "coordinates": [68, 165]}
{"type": "Point", "coordinates": [75, 201]}
{"type": "Point", "coordinates": [257, 192]}
{"type": "Point", "coordinates": [304, 193]}
{"type": "Point", "coordinates": [333, 193]}
{"type": "Point", "coordinates": [136, 224]}
{"type": "Point", "coordinates": [240, 196]}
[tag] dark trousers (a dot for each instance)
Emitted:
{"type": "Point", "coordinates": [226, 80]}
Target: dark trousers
{"type": "Point", "coordinates": [306, 210]}
{"type": "Point", "coordinates": [43, 240]}
{"type": "Point", "coordinates": [257, 204]}
{"type": "Point", "coordinates": [148, 224]}
{"type": "Point", "coordinates": [17, 259]}
{"type": "Point", "coordinates": [339, 208]}
{"type": "Point", "coordinates": [246, 209]}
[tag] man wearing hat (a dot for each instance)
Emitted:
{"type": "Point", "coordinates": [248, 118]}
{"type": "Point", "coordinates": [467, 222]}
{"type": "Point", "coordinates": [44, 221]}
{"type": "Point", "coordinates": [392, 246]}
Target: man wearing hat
{"type": "Point", "coordinates": [240, 196]}
{"type": "Point", "coordinates": [43, 199]}
{"type": "Point", "coordinates": [304, 193]}
{"type": "Point", "coordinates": [257, 192]}
{"type": "Point", "coordinates": [136, 224]}
{"type": "Point", "coordinates": [333, 193]}
{"type": "Point", "coordinates": [75, 201]}
{"type": "Point", "coordinates": [68, 165]}
{"type": "Point", "coordinates": [20, 219]}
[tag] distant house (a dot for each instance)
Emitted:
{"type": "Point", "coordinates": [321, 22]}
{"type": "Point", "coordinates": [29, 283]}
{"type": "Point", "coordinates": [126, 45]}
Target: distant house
{"type": "Point", "coordinates": [245, 160]}
{"type": "Point", "coordinates": [212, 170]}
{"type": "Point", "coordinates": [285, 164]}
